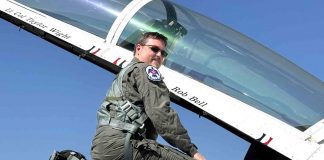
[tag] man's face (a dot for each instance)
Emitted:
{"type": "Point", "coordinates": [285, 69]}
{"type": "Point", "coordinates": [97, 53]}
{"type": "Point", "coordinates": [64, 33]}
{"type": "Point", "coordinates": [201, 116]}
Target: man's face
{"type": "Point", "coordinates": [151, 52]}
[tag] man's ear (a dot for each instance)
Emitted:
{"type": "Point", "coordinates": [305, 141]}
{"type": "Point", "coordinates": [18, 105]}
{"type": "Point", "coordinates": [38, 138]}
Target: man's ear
{"type": "Point", "coordinates": [138, 47]}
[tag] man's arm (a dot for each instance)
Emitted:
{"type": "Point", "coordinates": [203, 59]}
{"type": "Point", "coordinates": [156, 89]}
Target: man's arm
{"type": "Point", "coordinates": [155, 96]}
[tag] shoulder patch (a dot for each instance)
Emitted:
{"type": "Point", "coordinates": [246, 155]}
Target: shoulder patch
{"type": "Point", "coordinates": [153, 73]}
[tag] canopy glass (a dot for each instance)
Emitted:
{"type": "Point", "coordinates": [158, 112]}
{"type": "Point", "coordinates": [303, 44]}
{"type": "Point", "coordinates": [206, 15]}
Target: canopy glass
{"type": "Point", "coordinates": [228, 61]}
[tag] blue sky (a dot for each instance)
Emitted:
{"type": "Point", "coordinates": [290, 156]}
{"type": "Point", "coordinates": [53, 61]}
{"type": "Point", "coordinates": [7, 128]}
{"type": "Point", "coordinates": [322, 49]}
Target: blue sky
{"type": "Point", "coordinates": [49, 97]}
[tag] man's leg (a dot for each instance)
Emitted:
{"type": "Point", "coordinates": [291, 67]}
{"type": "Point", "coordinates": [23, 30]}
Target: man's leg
{"type": "Point", "coordinates": [108, 144]}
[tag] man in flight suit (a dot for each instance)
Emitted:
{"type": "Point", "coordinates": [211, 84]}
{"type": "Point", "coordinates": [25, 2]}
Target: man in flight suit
{"type": "Point", "coordinates": [137, 109]}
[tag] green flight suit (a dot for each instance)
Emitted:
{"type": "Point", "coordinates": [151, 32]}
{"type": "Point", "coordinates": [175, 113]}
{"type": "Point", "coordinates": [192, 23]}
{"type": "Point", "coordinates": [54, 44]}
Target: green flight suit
{"type": "Point", "coordinates": [150, 92]}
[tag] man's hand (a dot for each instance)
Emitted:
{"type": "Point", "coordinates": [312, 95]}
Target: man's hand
{"type": "Point", "coordinates": [198, 156]}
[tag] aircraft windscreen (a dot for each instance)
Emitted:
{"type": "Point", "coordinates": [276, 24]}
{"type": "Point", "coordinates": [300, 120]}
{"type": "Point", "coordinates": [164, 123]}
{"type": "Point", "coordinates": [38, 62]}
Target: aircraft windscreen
{"type": "Point", "coordinates": [93, 16]}
{"type": "Point", "coordinates": [228, 61]}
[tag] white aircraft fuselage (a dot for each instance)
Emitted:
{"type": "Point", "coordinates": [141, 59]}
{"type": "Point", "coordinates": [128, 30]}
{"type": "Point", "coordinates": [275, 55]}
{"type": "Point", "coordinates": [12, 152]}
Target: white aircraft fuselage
{"type": "Point", "coordinates": [211, 69]}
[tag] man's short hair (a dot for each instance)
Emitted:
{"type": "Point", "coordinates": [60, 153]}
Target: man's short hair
{"type": "Point", "coordinates": [142, 40]}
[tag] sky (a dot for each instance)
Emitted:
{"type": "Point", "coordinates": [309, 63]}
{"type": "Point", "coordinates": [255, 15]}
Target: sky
{"type": "Point", "coordinates": [49, 97]}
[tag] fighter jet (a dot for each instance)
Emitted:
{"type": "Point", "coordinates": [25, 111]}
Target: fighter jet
{"type": "Point", "coordinates": [211, 70]}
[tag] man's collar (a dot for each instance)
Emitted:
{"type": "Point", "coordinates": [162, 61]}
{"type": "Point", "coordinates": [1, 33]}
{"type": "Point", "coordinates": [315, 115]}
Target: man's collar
{"type": "Point", "coordinates": [135, 60]}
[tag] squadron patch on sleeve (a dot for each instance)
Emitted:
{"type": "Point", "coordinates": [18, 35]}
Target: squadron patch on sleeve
{"type": "Point", "coordinates": [153, 73]}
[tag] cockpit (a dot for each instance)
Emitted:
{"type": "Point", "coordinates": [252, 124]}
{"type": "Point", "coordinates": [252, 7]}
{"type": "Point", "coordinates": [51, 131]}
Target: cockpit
{"type": "Point", "coordinates": [208, 52]}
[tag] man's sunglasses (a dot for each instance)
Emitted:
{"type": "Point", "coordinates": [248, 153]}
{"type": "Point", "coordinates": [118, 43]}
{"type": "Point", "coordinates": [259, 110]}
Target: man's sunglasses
{"type": "Point", "coordinates": [156, 49]}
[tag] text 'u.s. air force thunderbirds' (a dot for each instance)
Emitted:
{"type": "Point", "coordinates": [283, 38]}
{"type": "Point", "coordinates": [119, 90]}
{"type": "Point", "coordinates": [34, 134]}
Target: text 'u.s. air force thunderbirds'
{"type": "Point", "coordinates": [225, 76]}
